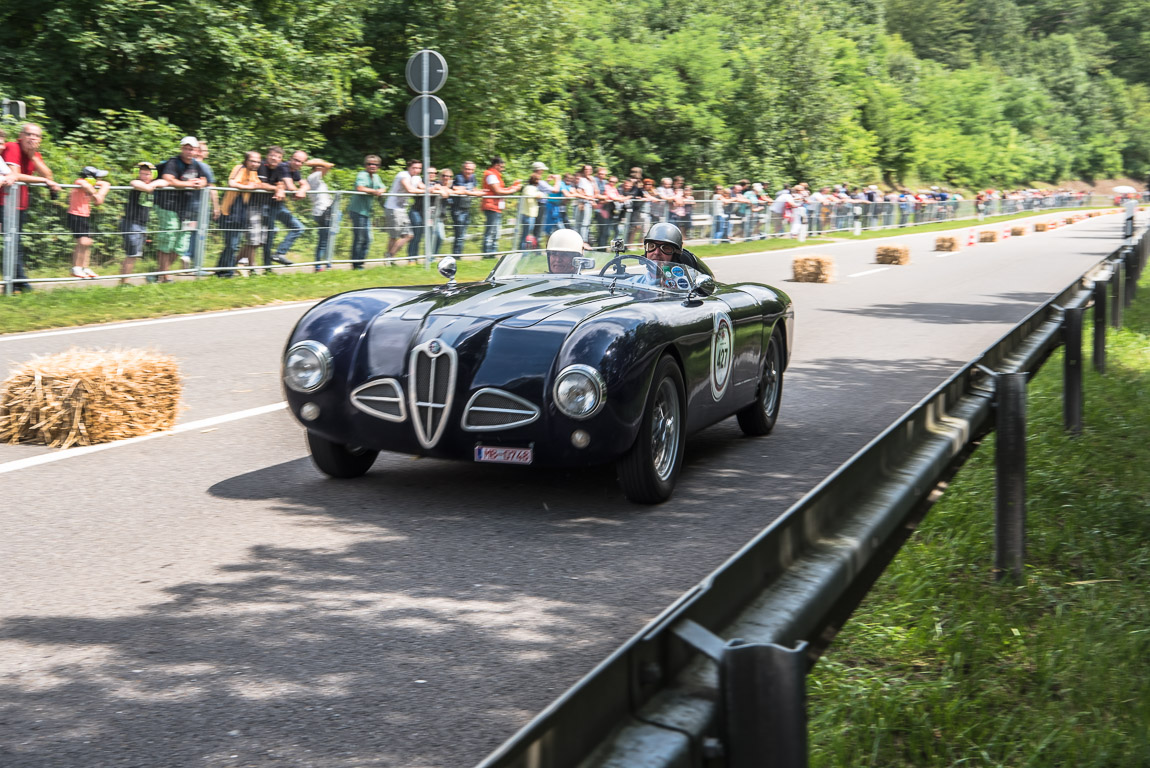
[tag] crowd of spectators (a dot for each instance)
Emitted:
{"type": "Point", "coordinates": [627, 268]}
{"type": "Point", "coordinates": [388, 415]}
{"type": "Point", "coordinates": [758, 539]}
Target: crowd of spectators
{"type": "Point", "coordinates": [164, 203]}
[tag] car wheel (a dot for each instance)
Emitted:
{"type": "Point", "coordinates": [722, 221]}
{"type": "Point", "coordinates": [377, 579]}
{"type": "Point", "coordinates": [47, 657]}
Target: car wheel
{"type": "Point", "coordinates": [337, 460]}
{"type": "Point", "coordinates": [649, 469]}
{"type": "Point", "coordinates": [759, 418]}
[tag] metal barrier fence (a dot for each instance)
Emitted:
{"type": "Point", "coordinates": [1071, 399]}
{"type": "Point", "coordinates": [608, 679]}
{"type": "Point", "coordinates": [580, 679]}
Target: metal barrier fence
{"type": "Point", "coordinates": [679, 695]}
{"type": "Point", "coordinates": [223, 231]}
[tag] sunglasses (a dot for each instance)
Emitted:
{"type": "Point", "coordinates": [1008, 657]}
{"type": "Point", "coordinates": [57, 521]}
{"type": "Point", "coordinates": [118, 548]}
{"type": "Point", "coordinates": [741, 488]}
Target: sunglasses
{"type": "Point", "coordinates": [666, 248]}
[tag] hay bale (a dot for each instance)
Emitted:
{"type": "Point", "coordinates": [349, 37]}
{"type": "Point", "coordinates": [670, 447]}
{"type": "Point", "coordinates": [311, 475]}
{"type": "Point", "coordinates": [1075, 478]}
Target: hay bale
{"type": "Point", "coordinates": [813, 269]}
{"type": "Point", "coordinates": [84, 397]}
{"type": "Point", "coordinates": [892, 254]}
{"type": "Point", "coordinates": [1017, 231]}
{"type": "Point", "coordinates": [947, 244]}
{"type": "Point", "coordinates": [988, 236]}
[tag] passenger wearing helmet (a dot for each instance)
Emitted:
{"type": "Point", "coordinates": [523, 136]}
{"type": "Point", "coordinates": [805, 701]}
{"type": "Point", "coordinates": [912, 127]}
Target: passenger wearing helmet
{"type": "Point", "coordinates": [664, 242]}
{"type": "Point", "coordinates": [562, 248]}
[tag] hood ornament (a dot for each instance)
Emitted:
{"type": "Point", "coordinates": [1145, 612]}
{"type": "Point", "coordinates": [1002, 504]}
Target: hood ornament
{"type": "Point", "coordinates": [448, 267]}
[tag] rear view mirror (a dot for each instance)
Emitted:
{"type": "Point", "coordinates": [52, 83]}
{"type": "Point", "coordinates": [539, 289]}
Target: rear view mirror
{"type": "Point", "coordinates": [582, 262]}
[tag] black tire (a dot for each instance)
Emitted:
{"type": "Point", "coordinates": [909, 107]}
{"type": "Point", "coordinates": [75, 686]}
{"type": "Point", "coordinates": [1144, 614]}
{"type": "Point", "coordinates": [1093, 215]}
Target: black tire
{"type": "Point", "coordinates": [337, 460]}
{"type": "Point", "coordinates": [647, 472]}
{"type": "Point", "coordinates": [759, 418]}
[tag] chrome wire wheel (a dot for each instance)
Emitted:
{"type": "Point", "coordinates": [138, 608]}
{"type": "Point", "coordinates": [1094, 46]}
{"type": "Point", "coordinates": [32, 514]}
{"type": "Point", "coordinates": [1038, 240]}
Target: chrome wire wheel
{"type": "Point", "coordinates": [665, 424]}
{"type": "Point", "coordinates": [772, 379]}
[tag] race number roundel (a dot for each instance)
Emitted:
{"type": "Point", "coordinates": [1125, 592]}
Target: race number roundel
{"type": "Point", "coordinates": [722, 355]}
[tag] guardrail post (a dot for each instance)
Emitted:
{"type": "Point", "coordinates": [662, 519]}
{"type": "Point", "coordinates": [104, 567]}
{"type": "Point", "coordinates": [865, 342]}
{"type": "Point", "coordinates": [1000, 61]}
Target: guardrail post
{"type": "Point", "coordinates": [1131, 275]}
{"type": "Point", "coordinates": [1072, 370]}
{"type": "Point", "coordinates": [1100, 325]}
{"type": "Point", "coordinates": [11, 237]}
{"type": "Point", "coordinates": [1010, 473]}
{"type": "Point", "coordinates": [765, 698]}
{"type": "Point", "coordinates": [203, 217]}
{"type": "Point", "coordinates": [1117, 279]}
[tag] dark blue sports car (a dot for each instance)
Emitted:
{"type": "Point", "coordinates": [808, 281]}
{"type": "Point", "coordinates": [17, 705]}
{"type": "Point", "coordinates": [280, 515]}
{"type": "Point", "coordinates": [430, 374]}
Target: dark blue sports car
{"type": "Point", "coordinates": [617, 360]}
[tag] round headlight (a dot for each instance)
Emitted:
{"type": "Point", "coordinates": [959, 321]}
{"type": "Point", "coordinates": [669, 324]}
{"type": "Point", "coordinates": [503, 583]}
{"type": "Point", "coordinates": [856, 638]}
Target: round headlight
{"type": "Point", "coordinates": [307, 366]}
{"type": "Point", "coordinates": [579, 391]}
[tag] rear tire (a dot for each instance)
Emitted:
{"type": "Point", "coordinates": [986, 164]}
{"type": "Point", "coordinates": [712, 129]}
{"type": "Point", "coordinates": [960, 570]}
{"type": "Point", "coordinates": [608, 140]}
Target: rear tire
{"type": "Point", "coordinates": [647, 472]}
{"type": "Point", "coordinates": [759, 418]}
{"type": "Point", "coordinates": [336, 460]}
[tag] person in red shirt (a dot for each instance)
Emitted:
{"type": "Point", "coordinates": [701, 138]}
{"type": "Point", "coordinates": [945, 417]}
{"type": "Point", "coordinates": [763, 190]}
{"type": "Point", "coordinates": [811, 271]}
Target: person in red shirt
{"type": "Point", "coordinates": [23, 158]}
{"type": "Point", "coordinates": [492, 206]}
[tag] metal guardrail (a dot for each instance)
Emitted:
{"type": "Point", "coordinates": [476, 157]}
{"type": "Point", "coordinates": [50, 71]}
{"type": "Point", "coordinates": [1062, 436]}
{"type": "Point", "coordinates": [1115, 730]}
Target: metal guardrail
{"type": "Point", "coordinates": [678, 694]}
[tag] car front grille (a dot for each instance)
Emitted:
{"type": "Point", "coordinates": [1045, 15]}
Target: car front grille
{"type": "Point", "coordinates": [382, 398]}
{"type": "Point", "coordinates": [431, 387]}
{"type": "Point", "coordinates": [492, 409]}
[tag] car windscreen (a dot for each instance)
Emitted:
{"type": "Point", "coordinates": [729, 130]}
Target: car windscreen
{"type": "Point", "coordinates": [633, 270]}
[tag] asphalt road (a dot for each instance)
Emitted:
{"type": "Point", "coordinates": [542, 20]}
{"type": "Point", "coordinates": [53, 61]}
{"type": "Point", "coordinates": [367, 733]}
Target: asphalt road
{"type": "Point", "coordinates": [208, 599]}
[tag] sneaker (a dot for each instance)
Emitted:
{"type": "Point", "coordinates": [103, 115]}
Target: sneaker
{"type": "Point", "coordinates": [187, 260]}
{"type": "Point", "coordinates": [281, 260]}
{"type": "Point", "coordinates": [89, 273]}
{"type": "Point", "coordinates": [78, 272]}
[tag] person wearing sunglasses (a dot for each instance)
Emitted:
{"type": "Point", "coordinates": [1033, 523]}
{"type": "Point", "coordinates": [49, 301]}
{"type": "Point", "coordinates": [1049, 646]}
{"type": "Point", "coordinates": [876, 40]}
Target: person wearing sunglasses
{"type": "Point", "coordinates": [664, 243]}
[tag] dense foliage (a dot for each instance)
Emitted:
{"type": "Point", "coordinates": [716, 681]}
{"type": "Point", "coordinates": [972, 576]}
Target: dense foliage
{"type": "Point", "coordinates": [967, 92]}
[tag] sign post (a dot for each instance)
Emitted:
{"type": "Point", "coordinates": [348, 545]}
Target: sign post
{"type": "Point", "coordinates": [426, 118]}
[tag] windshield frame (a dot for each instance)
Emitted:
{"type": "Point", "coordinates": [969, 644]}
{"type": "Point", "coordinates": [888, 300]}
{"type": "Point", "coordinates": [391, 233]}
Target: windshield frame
{"type": "Point", "coordinates": [638, 271]}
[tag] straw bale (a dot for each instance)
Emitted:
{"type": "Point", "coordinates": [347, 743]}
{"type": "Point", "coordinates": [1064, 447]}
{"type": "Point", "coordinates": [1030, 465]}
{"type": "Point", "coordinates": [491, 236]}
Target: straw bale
{"type": "Point", "coordinates": [892, 254]}
{"type": "Point", "coordinates": [988, 236]}
{"type": "Point", "coordinates": [813, 269]}
{"type": "Point", "coordinates": [89, 396]}
{"type": "Point", "coordinates": [1017, 231]}
{"type": "Point", "coordinates": [947, 243]}
{"type": "Point", "coordinates": [1041, 226]}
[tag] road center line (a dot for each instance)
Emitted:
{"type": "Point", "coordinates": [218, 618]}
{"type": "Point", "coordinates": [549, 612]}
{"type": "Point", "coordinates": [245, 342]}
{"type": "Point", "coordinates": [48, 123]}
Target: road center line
{"type": "Point", "coordinates": [191, 426]}
{"type": "Point", "coordinates": [141, 323]}
{"type": "Point", "coordinates": [869, 272]}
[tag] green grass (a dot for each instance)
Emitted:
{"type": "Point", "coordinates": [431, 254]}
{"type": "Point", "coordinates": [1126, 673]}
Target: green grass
{"type": "Point", "coordinates": [943, 226]}
{"type": "Point", "coordinates": [941, 666]}
{"type": "Point", "coordinates": [86, 304]}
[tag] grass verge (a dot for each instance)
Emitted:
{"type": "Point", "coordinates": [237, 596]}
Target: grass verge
{"type": "Point", "coordinates": [941, 666]}
{"type": "Point", "coordinates": [943, 226]}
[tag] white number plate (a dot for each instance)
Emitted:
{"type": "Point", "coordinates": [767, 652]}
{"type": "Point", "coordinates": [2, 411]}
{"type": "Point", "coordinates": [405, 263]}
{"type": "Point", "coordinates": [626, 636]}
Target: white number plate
{"type": "Point", "coordinates": [501, 455]}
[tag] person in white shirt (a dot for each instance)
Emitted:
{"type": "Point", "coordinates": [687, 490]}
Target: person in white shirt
{"type": "Point", "coordinates": [778, 208]}
{"type": "Point", "coordinates": [398, 223]}
{"type": "Point", "coordinates": [322, 209]}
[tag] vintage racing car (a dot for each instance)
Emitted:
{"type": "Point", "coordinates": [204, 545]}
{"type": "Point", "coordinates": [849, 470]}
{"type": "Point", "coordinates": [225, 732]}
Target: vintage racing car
{"type": "Point", "coordinates": [617, 360]}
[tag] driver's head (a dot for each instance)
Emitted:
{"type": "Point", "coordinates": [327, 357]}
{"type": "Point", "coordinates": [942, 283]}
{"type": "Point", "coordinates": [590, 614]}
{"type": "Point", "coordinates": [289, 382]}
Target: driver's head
{"type": "Point", "coordinates": [663, 242]}
{"type": "Point", "coordinates": [562, 248]}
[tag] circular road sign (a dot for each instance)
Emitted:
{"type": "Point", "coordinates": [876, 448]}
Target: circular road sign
{"type": "Point", "coordinates": [436, 112]}
{"type": "Point", "coordinates": [426, 71]}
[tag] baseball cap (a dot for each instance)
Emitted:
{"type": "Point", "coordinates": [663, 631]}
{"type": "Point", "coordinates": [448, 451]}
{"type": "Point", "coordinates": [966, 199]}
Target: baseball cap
{"type": "Point", "coordinates": [145, 164]}
{"type": "Point", "coordinates": [92, 172]}
{"type": "Point", "coordinates": [537, 166]}
{"type": "Point", "coordinates": [190, 141]}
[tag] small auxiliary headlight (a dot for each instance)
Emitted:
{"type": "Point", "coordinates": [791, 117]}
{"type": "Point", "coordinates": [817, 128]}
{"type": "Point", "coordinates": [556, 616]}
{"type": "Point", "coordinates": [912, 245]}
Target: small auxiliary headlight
{"type": "Point", "coordinates": [307, 366]}
{"type": "Point", "coordinates": [580, 439]}
{"type": "Point", "coordinates": [309, 412]}
{"type": "Point", "coordinates": [579, 391]}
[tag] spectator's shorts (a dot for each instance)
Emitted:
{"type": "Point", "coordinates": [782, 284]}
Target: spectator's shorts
{"type": "Point", "coordinates": [134, 236]}
{"type": "Point", "coordinates": [257, 232]}
{"type": "Point", "coordinates": [170, 238]}
{"type": "Point", "coordinates": [397, 221]}
{"type": "Point", "coordinates": [81, 226]}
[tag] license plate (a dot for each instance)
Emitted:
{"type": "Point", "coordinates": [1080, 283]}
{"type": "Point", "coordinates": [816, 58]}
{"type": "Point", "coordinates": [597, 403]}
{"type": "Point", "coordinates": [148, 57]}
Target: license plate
{"type": "Point", "coordinates": [502, 455]}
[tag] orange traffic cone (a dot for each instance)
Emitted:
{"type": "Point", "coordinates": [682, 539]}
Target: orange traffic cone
{"type": "Point", "coordinates": [971, 240]}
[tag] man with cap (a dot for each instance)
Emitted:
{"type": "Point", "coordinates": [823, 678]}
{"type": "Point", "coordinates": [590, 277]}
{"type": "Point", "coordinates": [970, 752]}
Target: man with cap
{"type": "Point", "coordinates": [26, 165]}
{"type": "Point", "coordinates": [175, 207]}
{"type": "Point", "coordinates": [83, 197]}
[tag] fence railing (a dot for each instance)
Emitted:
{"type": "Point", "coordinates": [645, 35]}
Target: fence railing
{"type": "Point", "coordinates": [220, 231]}
{"type": "Point", "coordinates": [719, 677]}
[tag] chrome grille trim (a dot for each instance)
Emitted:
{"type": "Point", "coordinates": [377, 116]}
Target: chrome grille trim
{"type": "Point", "coordinates": [515, 409]}
{"type": "Point", "coordinates": [431, 371]}
{"type": "Point", "coordinates": [389, 396]}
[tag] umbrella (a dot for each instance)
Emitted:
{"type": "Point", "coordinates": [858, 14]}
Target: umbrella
{"type": "Point", "coordinates": [1123, 189]}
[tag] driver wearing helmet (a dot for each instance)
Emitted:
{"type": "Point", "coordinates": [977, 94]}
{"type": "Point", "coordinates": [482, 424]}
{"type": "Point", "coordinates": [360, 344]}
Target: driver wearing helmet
{"type": "Point", "coordinates": [562, 248]}
{"type": "Point", "coordinates": [664, 242]}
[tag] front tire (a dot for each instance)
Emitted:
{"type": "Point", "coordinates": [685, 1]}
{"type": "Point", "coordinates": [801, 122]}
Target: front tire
{"type": "Point", "coordinates": [647, 472]}
{"type": "Point", "coordinates": [336, 460]}
{"type": "Point", "coordinates": [759, 418]}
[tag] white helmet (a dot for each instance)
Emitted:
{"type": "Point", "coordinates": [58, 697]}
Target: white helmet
{"type": "Point", "coordinates": [565, 240]}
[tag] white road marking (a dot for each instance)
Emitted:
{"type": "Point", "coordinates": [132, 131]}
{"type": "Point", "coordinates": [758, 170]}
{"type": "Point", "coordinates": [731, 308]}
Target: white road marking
{"type": "Point", "coordinates": [141, 323]}
{"type": "Point", "coordinates": [869, 272]}
{"type": "Point", "coordinates": [191, 426]}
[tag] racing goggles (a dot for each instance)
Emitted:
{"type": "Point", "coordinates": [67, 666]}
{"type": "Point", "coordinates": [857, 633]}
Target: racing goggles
{"type": "Point", "coordinates": [667, 248]}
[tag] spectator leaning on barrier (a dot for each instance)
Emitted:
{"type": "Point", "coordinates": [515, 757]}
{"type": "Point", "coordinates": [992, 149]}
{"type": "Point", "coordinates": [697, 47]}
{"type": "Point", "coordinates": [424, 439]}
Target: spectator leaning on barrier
{"type": "Point", "coordinates": [201, 156]}
{"type": "Point", "coordinates": [417, 214]}
{"type": "Point", "coordinates": [322, 209]}
{"type": "Point", "coordinates": [298, 186]}
{"type": "Point", "coordinates": [529, 211]}
{"type": "Point", "coordinates": [444, 190]}
{"type": "Point", "coordinates": [84, 195]}
{"type": "Point", "coordinates": [175, 212]}
{"type": "Point", "coordinates": [397, 221]}
{"type": "Point", "coordinates": [493, 204]}
{"type": "Point", "coordinates": [359, 209]}
{"type": "Point", "coordinates": [26, 164]}
{"type": "Point", "coordinates": [7, 177]}
{"type": "Point", "coordinates": [273, 171]}
{"type": "Point", "coordinates": [466, 186]}
{"type": "Point", "coordinates": [137, 211]}
{"type": "Point", "coordinates": [243, 212]}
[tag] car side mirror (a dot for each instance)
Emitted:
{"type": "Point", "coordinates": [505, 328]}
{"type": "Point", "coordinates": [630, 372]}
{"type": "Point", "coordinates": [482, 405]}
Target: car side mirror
{"type": "Point", "coordinates": [448, 267]}
{"type": "Point", "coordinates": [704, 286]}
{"type": "Point", "coordinates": [582, 262]}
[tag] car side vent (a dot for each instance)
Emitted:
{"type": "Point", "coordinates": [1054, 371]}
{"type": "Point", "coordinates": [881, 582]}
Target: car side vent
{"type": "Point", "coordinates": [491, 409]}
{"type": "Point", "coordinates": [382, 398]}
